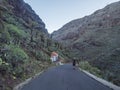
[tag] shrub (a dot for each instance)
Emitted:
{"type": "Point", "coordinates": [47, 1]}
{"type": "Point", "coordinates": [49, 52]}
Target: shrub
{"type": "Point", "coordinates": [16, 55]}
{"type": "Point", "coordinates": [40, 55]}
{"type": "Point", "coordinates": [4, 67]}
{"type": "Point", "coordinates": [0, 61]}
{"type": "Point", "coordinates": [14, 61]}
{"type": "Point", "coordinates": [9, 18]}
{"type": "Point", "coordinates": [16, 32]}
{"type": "Point", "coordinates": [18, 72]}
{"type": "Point", "coordinates": [4, 37]}
{"type": "Point", "coordinates": [86, 66]}
{"type": "Point", "coordinates": [52, 48]}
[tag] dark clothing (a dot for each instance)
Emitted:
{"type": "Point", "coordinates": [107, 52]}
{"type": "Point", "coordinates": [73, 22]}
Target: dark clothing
{"type": "Point", "coordinates": [74, 62]}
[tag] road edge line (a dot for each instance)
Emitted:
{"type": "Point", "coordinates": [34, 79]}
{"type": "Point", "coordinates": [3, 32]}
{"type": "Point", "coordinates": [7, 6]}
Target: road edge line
{"type": "Point", "coordinates": [19, 86]}
{"type": "Point", "coordinates": [106, 83]}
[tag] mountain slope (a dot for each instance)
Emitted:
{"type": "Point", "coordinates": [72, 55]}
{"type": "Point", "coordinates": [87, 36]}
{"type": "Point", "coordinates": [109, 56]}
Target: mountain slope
{"type": "Point", "coordinates": [25, 46]}
{"type": "Point", "coordinates": [25, 12]}
{"type": "Point", "coordinates": [95, 38]}
{"type": "Point", "coordinates": [104, 18]}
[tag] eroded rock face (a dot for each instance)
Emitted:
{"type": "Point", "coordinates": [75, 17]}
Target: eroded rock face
{"type": "Point", "coordinates": [103, 18]}
{"type": "Point", "coordinates": [92, 33]}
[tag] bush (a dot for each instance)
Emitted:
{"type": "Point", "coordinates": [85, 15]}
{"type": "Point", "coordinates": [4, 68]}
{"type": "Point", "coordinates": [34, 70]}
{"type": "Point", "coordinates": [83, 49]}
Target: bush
{"type": "Point", "coordinates": [18, 72]}
{"type": "Point", "coordinates": [9, 18]}
{"type": "Point", "coordinates": [112, 77]}
{"type": "Point", "coordinates": [16, 55]}
{"type": "Point", "coordinates": [4, 67]}
{"type": "Point", "coordinates": [86, 66]}
{"type": "Point", "coordinates": [16, 32]}
{"type": "Point", "coordinates": [0, 61]}
{"type": "Point", "coordinates": [4, 37]}
{"type": "Point", "coordinates": [40, 55]}
{"type": "Point", "coordinates": [52, 48]}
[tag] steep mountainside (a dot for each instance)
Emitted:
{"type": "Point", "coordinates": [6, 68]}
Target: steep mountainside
{"type": "Point", "coordinates": [96, 38]}
{"type": "Point", "coordinates": [25, 46]}
{"type": "Point", "coordinates": [104, 18]}
{"type": "Point", "coordinates": [25, 12]}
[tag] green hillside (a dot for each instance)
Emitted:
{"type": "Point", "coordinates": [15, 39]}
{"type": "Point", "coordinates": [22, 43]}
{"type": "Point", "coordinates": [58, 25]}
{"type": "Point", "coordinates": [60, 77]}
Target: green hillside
{"type": "Point", "coordinates": [25, 46]}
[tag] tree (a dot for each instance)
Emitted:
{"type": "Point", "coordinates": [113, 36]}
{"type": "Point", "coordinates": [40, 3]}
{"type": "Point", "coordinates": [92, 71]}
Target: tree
{"type": "Point", "coordinates": [2, 9]}
{"type": "Point", "coordinates": [4, 35]}
{"type": "Point", "coordinates": [32, 25]}
{"type": "Point", "coordinates": [1, 21]}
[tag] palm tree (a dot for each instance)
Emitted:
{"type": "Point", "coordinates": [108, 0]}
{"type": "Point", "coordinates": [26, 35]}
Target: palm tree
{"type": "Point", "coordinates": [32, 25]}
{"type": "Point", "coordinates": [1, 21]}
{"type": "Point", "coordinates": [3, 32]}
{"type": "Point", "coordinates": [2, 10]}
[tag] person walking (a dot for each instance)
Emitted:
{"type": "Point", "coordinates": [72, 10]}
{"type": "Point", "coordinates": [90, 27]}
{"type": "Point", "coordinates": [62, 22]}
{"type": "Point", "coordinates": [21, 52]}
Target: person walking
{"type": "Point", "coordinates": [74, 63]}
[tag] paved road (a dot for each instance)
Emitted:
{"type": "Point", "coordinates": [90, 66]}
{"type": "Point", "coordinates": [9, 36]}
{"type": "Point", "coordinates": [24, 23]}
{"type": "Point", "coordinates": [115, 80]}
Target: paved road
{"type": "Point", "coordinates": [64, 78]}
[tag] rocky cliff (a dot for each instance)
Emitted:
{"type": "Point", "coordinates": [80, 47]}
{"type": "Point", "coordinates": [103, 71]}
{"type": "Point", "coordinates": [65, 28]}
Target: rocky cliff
{"type": "Point", "coordinates": [95, 38]}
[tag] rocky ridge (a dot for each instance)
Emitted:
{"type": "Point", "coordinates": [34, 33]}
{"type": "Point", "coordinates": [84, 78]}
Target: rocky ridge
{"type": "Point", "coordinates": [95, 38]}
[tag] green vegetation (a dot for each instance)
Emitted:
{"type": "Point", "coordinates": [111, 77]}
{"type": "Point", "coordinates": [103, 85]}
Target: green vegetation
{"type": "Point", "coordinates": [16, 54]}
{"type": "Point", "coordinates": [4, 37]}
{"type": "Point", "coordinates": [105, 74]}
{"type": "Point", "coordinates": [25, 47]}
{"type": "Point", "coordinates": [86, 66]}
{"type": "Point", "coordinates": [40, 55]}
{"type": "Point", "coordinates": [109, 65]}
{"type": "Point", "coordinates": [15, 31]}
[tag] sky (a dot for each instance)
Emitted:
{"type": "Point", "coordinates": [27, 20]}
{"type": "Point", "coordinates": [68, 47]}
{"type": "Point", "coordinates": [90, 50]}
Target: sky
{"type": "Point", "coordinates": [56, 13]}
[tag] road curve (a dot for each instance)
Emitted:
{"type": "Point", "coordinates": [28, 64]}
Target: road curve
{"type": "Point", "coordinates": [64, 78]}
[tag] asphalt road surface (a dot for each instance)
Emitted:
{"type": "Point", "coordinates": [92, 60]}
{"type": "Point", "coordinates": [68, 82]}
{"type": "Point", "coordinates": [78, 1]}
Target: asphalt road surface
{"type": "Point", "coordinates": [64, 78]}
